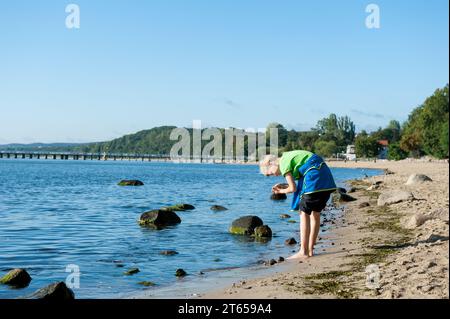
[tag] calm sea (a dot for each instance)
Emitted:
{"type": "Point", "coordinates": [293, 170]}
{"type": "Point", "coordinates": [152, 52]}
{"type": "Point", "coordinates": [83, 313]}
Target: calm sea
{"type": "Point", "coordinates": [59, 213]}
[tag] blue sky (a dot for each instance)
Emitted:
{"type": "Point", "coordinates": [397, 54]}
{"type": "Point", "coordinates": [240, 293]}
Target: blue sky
{"type": "Point", "coordinates": [244, 63]}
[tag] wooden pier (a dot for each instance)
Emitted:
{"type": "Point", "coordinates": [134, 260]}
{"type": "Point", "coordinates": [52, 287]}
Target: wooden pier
{"type": "Point", "coordinates": [65, 156]}
{"type": "Point", "coordinates": [83, 156]}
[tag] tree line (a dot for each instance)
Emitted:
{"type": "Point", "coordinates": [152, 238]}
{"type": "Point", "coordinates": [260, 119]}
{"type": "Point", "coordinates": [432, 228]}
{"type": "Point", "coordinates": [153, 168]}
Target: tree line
{"type": "Point", "coordinates": [424, 133]}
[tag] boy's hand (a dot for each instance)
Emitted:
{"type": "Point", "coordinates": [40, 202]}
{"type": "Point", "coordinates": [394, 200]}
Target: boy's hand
{"type": "Point", "coordinates": [275, 188]}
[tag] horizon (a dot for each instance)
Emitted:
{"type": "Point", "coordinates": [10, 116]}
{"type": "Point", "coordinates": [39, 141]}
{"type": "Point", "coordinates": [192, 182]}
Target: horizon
{"type": "Point", "coordinates": [135, 66]}
{"type": "Point", "coordinates": [160, 126]}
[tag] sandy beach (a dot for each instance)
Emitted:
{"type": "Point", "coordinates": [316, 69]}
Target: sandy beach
{"type": "Point", "coordinates": [378, 250]}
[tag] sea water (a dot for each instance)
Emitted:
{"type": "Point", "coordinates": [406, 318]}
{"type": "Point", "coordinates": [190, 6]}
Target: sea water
{"type": "Point", "coordinates": [55, 214]}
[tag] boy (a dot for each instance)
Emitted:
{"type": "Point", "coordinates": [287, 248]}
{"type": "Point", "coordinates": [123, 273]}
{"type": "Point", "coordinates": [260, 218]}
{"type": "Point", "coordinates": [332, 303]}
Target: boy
{"type": "Point", "coordinates": [315, 185]}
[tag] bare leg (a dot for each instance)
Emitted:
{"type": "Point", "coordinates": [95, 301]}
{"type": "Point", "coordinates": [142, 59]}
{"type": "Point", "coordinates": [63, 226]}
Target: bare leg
{"type": "Point", "coordinates": [305, 229]}
{"type": "Point", "coordinates": [315, 228]}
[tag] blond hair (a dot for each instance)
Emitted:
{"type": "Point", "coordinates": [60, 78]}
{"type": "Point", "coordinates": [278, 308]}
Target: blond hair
{"type": "Point", "coordinates": [267, 162]}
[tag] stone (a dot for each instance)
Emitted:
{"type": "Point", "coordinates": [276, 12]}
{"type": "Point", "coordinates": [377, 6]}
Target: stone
{"type": "Point", "coordinates": [55, 291]}
{"type": "Point", "coordinates": [416, 220]}
{"type": "Point", "coordinates": [245, 225]}
{"type": "Point", "coordinates": [278, 197]}
{"type": "Point", "coordinates": [342, 190]}
{"type": "Point", "coordinates": [352, 190]}
{"type": "Point", "coordinates": [179, 207]}
{"type": "Point", "coordinates": [18, 278]}
{"type": "Point", "coordinates": [418, 179]}
{"type": "Point", "coordinates": [126, 182]}
{"type": "Point", "coordinates": [280, 259]}
{"type": "Point", "coordinates": [440, 213]}
{"type": "Point", "coordinates": [346, 198]}
{"type": "Point", "coordinates": [218, 208]}
{"type": "Point", "coordinates": [146, 283]}
{"type": "Point", "coordinates": [159, 219]}
{"type": "Point", "coordinates": [290, 241]}
{"type": "Point", "coordinates": [434, 238]}
{"type": "Point", "coordinates": [180, 273]}
{"type": "Point", "coordinates": [131, 271]}
{"type": "Point", "coordinates": [271, 262]}
{"type": "Point", "coordinates": [285, 216]}
{"type": "Point", "coordinates": [394, 197]}
{"type": "Point", "coordinates": [364, 204]}
{"type": "Point", "coordinates": [168, 252]}
{"type": "Point", "coordinates": [263, 232]}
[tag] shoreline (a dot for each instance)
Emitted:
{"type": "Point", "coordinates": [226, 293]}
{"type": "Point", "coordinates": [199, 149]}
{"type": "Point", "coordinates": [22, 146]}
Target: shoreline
{"type": "Point", "coordinates": [410, 260]}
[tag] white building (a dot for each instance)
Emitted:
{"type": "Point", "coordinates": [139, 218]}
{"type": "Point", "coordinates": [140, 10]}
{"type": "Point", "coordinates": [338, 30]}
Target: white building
{"type": "Point", "coordinates": [350, 154]}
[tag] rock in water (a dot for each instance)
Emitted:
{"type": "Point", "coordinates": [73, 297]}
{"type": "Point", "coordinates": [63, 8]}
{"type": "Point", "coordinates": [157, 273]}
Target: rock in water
{"type": "Point", "coordinates": [56, 291]}
{"type": "Point", "coordinates": [245, 225]}
{"type": "Point", "coordinates": [180, 273]}
{"type": "Point", "coordinates": [278, 197]}
{"type": "Point", "coordinates": [285, 216]}
{"type": "Point", "coordinates": [159, 219]}
{"type": "Point", "coordinates": [342, 190]}
{"type": "Point", "coordinates": [290, 241]}
{"type": "Point", "coordinates": [130, 183]}
{"type": "Point", "coordinates": [417, 179]}
{"type": "Point", "coordinates": [346, 198]}
{"type": "Point", "coordinates": [263, 232]}
{"type": "Point", "coordinates": [218, 208]}
{"type": "Point", "coordinates": [18, 278]}
{"type": "Point", "coordinates": [394, 197]}
{"type": "Point", "coordinates": [168, 252]}
{"type": "Point", "coordinates": [146, 283]}
{"type": "Point", "coordinates": [131, 271]}
{"type": "Point", "coordinates": [179, 207]}
{"type": "Point", "coordinates": [272, 262]}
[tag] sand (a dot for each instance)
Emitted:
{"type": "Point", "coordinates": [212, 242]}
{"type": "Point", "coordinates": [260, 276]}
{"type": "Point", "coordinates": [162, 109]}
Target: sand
{"type": "Point", "coordinates": [394, 251]}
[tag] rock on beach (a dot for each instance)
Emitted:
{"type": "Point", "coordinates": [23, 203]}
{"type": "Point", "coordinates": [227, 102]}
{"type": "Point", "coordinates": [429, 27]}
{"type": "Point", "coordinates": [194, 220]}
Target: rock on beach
{"type": "Point", "coordinates": [418, 179]}
{"type": "Point", "coordinates": [394, 197]}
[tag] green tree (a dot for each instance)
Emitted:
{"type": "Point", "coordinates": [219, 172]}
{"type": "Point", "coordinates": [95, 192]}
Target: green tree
{"type": "Point", "coordinates": [395, 152]}
{"type": "Point", "coordinates": [391, 133]}
{"type": "Point", "coordinates": [444, 138]}
{"type": "Point", "coordinates": [307, 140]}
{"type": "Point", "coordinates": [341, 130]}
{"type": "Point", "coordinates": [325, 148]}
{"type": "Point", "coordinates": [366, 145]}
{"type": "Point", "coordinates": [423, 130]}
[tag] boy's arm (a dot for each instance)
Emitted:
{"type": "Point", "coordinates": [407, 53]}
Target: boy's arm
{"type": "Point", "coordinates": [292, 188]}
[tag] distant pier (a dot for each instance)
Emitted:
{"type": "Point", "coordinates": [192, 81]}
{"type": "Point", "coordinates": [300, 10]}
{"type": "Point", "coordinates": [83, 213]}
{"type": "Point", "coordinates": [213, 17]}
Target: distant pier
{"type": "Point", "coordinates": [83, 156]}
{"type": "Point", "coordinates": [112, 157]}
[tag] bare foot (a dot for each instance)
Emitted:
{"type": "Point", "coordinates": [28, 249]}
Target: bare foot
{"type": "Point", "coordinates": [299, 255]}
